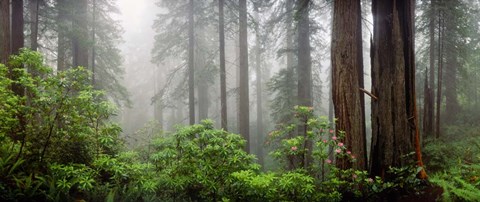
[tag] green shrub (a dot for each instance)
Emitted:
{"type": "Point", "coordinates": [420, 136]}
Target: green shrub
{"type": "Point", "coordinates": [196, 162]}
{"type": "Point", "coordinates": [57, 128]}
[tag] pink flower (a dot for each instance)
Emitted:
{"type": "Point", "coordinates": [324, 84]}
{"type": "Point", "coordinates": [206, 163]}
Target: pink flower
{"type": "Point", "coordinates": [328, 161]}
{"type": "Point", "coordinates": [349, 152]}
{"type": "Point", "coordinates": [338, 150]}
{"type": "Point", "coordinates": [354, 176]}
{"type": "Point", "coordinates": [334, 138]}
{"type": "Point", "coordinates": [331, 131]}
{"type": "Point", "coordinates": [370, 180]}
{"type": "Point", "coordinates": [324, 141]}
{"type": "Point", "coordinates": [340, 144]}
{"type": "Point", "coordinates": [294, 148]}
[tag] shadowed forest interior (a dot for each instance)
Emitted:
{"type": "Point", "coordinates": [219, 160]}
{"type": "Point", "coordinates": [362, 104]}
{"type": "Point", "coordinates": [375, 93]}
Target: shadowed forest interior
{"type": "Point", "coordinates": [239, 100]}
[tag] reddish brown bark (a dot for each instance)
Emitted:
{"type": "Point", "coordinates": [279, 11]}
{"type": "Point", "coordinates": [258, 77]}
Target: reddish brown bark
{"type": "Point", "coordinates": [395, 131]}
{"type": "Point", "coordinates": [347, 78]}
{"type": "Point", "coordinates": [4, 30]}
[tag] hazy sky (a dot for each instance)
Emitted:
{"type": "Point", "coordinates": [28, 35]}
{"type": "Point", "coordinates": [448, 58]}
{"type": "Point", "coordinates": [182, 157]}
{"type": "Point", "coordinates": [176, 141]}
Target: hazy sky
{"type": "Point", "coordinates": [137, 18]}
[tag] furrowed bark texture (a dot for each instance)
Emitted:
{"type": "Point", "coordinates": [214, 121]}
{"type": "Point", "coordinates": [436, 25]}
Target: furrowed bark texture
{"type": "Point", "coordinates": [347, 78]}
{"type": "Point", "coordinates": [394, 118]}
{"type": "Point", "coordinates": [4, 31]}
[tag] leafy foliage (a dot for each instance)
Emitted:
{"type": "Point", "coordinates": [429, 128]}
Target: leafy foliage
{"type": "Point", "coordinates": [197, 161]}
{"type": "Point", "coordinates": [460, 183]}
{"type": "Point", "coordinates": [52, 133]}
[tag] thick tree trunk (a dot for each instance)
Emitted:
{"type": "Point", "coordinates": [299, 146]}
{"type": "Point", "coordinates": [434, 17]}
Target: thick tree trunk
{"type": "Point", "coordinates": [80, 36]}
{"type": "Point", "coordinates": [304, 57]}
{"type": "Point", "coordinates": [244, 120]}
{"type": "Point", "coordinates": [347, 78]}
{"type": "Point", "coordinates": [17, 36]}
{"type": "Point", "coordinates": [191, 61]}
{"type": "Point", "coordinates": [429, 112]}
{"type": "Point", "coordinates": [394, 115]}
{"type": "Point", "coordinates": [4, 31]}
{"type": "Point", "coordinates": [451, 68]}
{"type": "Point", "coordinates": [34, 5]}
{"type": "Point", "coordinates": [17, 41]}
{"type": "Point", "coordinates": [223, 83]}
{"type": "Point", "coordinates": [304, 70]}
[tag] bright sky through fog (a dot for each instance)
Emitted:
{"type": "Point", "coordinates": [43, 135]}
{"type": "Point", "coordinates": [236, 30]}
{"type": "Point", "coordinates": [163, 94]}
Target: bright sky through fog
{"type": "Point", "coordinates": [131, 11]}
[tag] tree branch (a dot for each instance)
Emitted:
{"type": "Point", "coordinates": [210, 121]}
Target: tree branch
{"type": "Point", "coordinates": [369, 94]}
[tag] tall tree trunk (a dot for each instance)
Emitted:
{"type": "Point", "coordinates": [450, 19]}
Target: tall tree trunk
{"type": "Point", "coordinates": [158, 105]}
{"type": "Point", "coordinates": [17, 39]}
{"type": "Point", "coordinates": [17, 36]}
{"type": "Point", "coordinates": [330, 98]}
{"type": "Point", "coordinates": [290, 30]}
{"type": "Point", "coordinates": [17, 42]}
{"type": "Point", "coordinates": [304, 57]}
{"type": "Point", "coordinates": [394, 115]}
{"type": "Point", "coordinates": [61, 30]}
{"type": "Point", "coordinates": [290, 34]}
{"type": "Point", "coordinates": [244, 119]}
{"type": "Point", "coordinates": [451, 68]}
{"type": "Point", "coordinates": [191, 61]}
{"type": "Point", "coordinates": [304, 70]}
{"type": "Point", "coordinates": [223, 83]}
{"type": "Point", "coordinates": [202, 83]}
{"type": "Point", "coordinates": [426, 104]}
{"type": "Point", "coordinates": [439, 72]}
{"type": "Point", "coordinates": [80, 36]}
{"type": "Point", "coordinates": [94, 28]}
{"type": "Point", "coordinates": [4, 31]}
{"type": "Point", "coordinates": [429, 126]}
{"type": "Point", "coordinates": [258, 72]}
{"type": "Point", "coordinates": [34, 5]}
{"type": "Point", "coordinates": [347, 64]}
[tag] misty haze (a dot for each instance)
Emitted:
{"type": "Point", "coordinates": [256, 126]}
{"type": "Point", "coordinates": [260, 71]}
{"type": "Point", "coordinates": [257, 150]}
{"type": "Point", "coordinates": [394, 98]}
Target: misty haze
{"type": "Point", "coordinates": [239, 100]}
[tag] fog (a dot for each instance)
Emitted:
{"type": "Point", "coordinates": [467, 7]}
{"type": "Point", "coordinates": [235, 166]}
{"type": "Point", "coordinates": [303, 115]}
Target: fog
{"type": "Point", "coordinates": [239, 100]}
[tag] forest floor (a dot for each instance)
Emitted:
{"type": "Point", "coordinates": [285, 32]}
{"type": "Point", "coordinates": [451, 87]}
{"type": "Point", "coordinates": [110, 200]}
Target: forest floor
{"type": "Point", "coordinates": [430, 194]}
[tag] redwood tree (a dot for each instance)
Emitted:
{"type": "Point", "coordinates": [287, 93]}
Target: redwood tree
{"type": "Point", "coordinates": [80, 35]}
{"type": "Point", "coordinates": [258, 73]}
{"type": "Point", "coordinates": [34, 6]}
{"type": "Point", "coordinates": [4, 30]}
{"type": "Point", "coordinates": [223, 83]}
{"type": "Point", "coordinates": [347, 78]}
{"type": "Point", "coordinates": [244, 120]}
{"type": "Point", "coordinates": [191, 61]}
{"type": "Point", "coordinates": [304, 70]}
{"type": "Point", "coordinates": [17, 37]}
{"type": "Point", "coordinates": [394, 116]}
